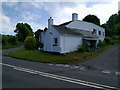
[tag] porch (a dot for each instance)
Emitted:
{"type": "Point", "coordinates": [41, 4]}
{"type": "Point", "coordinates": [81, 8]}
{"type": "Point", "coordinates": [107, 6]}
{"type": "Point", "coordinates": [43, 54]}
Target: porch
{"type": "Point", "coordinates": [90, 42]}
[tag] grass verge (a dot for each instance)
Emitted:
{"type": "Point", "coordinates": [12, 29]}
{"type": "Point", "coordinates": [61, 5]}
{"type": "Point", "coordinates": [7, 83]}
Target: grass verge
{"type": "Point", "coordinates": [70, 58]}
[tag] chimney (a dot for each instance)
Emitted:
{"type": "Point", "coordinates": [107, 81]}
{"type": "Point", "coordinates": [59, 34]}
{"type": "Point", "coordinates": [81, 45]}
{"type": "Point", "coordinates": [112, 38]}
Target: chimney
{"type": "Point", "coordinates": [74, 16]}
{"type": "Point", "coordinates": [50, 22]}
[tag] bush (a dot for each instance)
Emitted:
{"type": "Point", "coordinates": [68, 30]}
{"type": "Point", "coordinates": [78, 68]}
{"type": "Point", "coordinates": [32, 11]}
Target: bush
{"type": "Point", "coordinates": [108, 40]}
{"type": "Point", "coordinates": [30, 43]}
{"type": "Point", "coordinates": [101, 43]}
{"type": "Point", "coordinates": [39, 44]}
{"type": "Point", "coordinates": [13, 40]}
{"type": "Point", "coordinates": [83, 48]}
{"type": "Point", "coordinates": [116, 37]}
{"type": "Point", "coordinates": [5, 39]}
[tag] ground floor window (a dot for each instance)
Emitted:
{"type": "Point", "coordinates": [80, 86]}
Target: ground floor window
{"type": "Point", "coordinates": [55, 42]}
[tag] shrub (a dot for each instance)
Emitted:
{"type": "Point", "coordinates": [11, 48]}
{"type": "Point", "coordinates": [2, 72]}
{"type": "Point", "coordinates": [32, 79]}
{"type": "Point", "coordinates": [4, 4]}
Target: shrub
{"type": "Point", "coordinates": [39, 44]}
{"type": "Point", "coordinates": [13, 40]}
{"type": "Point", "coordinates": [101, 43]}
{"type": "Point", "coordinates": [83, 48]}
{"type": "Point", "coordinates": [108, 40]}
{"type": "Point", "coordinates": [116, 37]}
{"type": "Point", "coordinates": [30, 43]}
{"type": "Point", "coordinates": [5, 39]}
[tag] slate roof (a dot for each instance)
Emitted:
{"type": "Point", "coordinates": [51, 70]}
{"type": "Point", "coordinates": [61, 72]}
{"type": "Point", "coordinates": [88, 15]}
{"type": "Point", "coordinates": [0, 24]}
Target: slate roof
{"type": "Point", "coordinates": [64, 24]}
{"type": "Point", "coordinates": [71, 31]}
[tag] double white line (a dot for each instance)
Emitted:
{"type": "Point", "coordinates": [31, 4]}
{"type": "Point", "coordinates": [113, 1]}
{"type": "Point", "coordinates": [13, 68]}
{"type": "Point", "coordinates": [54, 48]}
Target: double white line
{"type": "Point", "coordinates": [72, 80]}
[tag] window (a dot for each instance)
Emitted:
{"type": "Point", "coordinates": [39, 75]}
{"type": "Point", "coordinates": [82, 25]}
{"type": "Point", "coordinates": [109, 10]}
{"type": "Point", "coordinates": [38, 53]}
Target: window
{"type": "Point", "coordinates": [99, 32]}
{"type": "Point", "coordinates": [94, 32]}
{"type": "Point", "coordinates": [55, 42]}
{"type": "Point", "coordinates": [103, 33]}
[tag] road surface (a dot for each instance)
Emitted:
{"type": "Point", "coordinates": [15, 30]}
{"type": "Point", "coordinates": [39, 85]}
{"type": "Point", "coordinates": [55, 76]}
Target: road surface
{"type": "Point", "coordinates": [100, 72]}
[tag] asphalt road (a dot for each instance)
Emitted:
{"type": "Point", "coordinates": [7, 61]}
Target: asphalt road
{"type": "Point", "coordinates": [100, 70]}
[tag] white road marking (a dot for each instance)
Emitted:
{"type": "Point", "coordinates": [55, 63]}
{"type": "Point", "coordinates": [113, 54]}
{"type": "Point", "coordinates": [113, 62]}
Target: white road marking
{"type": "Point", "coordinates": [50, 64]}
{"type": "Point", "coordinates": [117, 73]}
{"type": "Point", "coordinates": [66, 65]}
{"type": "Point", "coordinates": [106, 71]}
{"type": "Point", "coordinates": [72, 80]}
{"type": "Point", "coordinates": [82, 68]}
{"type": "Point", "coordinates": [75, 67]}
{"type": "Point", "coordinates": [59, 65]}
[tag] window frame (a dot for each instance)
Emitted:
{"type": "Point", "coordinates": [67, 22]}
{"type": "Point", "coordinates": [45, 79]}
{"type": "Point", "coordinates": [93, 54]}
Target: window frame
{"type": "Point", "coordinates": [55, 41]}
{"type": "Point", "coordinates": [99, 32]}
{"type": "Point", "coordinates": [94, 32]}
{"type": "Point", "coordinates": [103, 34]}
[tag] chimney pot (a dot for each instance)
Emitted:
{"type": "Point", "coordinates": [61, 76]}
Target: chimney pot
{"type": "Point", "coordinates": [50, 22]}
{"type": "Point", "coordinates": [74, 16]}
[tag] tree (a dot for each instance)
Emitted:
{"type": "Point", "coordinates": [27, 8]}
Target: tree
{"type": "Point", "coordinates": [119, 16]}
{"type": "Point", "coordinates": [13, 40]}
{"type": "Point", "coordinates": [116, 29]}
{"type": "Point", "coordinates": [38, 34]}
{"type": "Point", "coordinates": [111, 26]}
{"type": "Point", "coordinates": [5, 39]}
{"type": "Point", "coordinates": [38, 37]}
{"type": "Point", "coordinates": [113, 20]}
{"type": "Point", "coordinates": [23, 30]}
{"type": "Point", "coordinates": [30, 43]}
{"type": "Point", "coordinates": [93, 19]}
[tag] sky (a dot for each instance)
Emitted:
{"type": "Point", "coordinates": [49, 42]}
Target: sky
{"type": "Point", "coordinates": [36, 13]}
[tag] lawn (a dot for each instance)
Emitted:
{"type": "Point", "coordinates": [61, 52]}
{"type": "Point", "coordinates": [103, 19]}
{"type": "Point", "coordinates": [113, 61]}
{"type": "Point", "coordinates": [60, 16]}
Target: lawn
{"type": "Point", "coordinates": [39, 56]}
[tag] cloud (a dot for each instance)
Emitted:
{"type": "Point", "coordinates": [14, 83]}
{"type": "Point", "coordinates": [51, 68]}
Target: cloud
{"type": "Point", "coordinates": [7, 25]}
{"type": "Point", "coordinates": [25, 12]}
{"type": "Point", "coordinates": [61, 12]}
{"type": "Point", "coordinates": [28, 16]}
{"type": "Point", "coordinates": [119, 5]}
{"type": "Point", "coordinates": [37, 13]}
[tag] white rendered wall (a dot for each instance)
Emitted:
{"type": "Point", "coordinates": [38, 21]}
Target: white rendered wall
{"type": "Point", "coordinates": [69, 43]}
{"type": "Point", "coordinates": [49, 40]}
{"type": "Point", "coordinates": [88, 27]}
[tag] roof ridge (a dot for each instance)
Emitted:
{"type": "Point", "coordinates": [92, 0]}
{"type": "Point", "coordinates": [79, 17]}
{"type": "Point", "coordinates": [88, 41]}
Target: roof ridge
{"type": "Point", "coordinates": [71, 28]}
{"type": "Point", "coordinates": [66, 23]}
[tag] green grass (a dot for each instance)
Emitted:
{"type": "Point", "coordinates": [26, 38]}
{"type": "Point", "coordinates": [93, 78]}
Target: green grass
{"type": "Point", "coordinates": [8, 46]}
{"type": "Point", "coordinates": [70, 58]}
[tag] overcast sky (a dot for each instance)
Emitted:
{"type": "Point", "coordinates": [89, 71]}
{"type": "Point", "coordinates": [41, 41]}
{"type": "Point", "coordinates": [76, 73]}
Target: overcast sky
{"type": "Point", "coordinates": [37, 13]}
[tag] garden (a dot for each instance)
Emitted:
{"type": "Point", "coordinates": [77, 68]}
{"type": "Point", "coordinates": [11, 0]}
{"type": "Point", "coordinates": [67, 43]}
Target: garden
{"type": "Point", "coordinates": [31, 52]}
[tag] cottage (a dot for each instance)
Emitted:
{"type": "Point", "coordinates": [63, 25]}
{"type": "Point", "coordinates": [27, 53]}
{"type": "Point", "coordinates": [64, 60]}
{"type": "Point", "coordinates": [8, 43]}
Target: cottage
{"type": "Point", "coordinates": [68, 36]}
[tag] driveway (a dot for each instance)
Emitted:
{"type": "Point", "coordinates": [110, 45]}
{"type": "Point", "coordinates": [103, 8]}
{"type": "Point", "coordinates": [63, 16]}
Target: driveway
{"type": "Point", "coordinates": [107, 60]}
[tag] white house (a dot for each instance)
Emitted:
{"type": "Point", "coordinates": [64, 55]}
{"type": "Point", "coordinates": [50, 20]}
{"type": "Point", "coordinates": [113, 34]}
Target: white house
{"type": "Point", "coordinates": [68, 36]}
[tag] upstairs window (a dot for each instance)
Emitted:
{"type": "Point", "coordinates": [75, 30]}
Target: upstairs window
{"type": "Point", "coordinates": [103, 34]}
{"type": "Point", "coordinates": [99, 32]}
{"type": "Point", "coordinates": [55, 42]}
{"type": "Point", "coordinates": [94, 32]}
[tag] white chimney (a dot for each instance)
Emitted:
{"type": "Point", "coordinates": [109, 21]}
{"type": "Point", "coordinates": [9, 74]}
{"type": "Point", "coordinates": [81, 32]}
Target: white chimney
{"type": "Point", "coordinates": [50, 22]}
{"type": "Point", "coordinates": [74, 16]}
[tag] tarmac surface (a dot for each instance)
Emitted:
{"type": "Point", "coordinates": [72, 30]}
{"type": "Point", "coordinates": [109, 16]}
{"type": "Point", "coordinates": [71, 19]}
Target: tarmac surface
{"type": "Point", "coordinates": [102, 70]}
